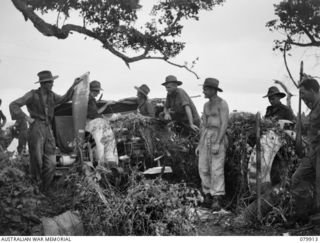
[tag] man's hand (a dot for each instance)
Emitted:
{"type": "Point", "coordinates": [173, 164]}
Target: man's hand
{"type": "Point", "coordinates": [215, 148]}
{"type": "Point", "coordinates": [29, 120]}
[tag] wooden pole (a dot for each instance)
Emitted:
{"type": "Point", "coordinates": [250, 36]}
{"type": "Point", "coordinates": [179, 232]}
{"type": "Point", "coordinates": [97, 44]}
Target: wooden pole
{"type": "Point", "coordinates": [258, 172]}
{"type": "Point", "coordinates": [299, 125]}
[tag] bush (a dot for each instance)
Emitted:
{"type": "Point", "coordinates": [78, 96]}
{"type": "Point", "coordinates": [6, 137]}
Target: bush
{"type": "Point", "coordinates": [147, 207]}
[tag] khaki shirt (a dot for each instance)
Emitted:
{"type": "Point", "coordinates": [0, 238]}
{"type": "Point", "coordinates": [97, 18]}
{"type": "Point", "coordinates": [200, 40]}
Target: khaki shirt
{"type": "Point", "coordinates": [146, 108]}
{"type": "Point", "coordinates": [176, 103]}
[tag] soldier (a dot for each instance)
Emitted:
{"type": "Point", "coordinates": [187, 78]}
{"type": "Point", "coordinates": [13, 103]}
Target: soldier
{"type": "Point", "coordinates": [105, 151]}
{"type": "Point", "coordinates": [179, 106]}
{"type": "Point", "coordinates": [277, 110]}
{"type": "Point", "coordinates": [93, 111]}
{"type": "Point", "coordinates": [307, 174]}
{"type": "Point", "coordinates": [145, 107]}
{"type": "Point", "coordinates": [40, 104]}
{"type": "Point", "coordinates": [213, 144]}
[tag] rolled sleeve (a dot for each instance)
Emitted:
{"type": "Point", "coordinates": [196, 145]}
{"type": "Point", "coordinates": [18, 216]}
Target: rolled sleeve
{"type": "Point", "coordinates": [184, 98]}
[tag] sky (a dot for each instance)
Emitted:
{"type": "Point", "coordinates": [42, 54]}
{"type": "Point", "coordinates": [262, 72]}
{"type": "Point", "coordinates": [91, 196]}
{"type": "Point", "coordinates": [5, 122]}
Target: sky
{"type": "Point", "coordinates": [231, 42]}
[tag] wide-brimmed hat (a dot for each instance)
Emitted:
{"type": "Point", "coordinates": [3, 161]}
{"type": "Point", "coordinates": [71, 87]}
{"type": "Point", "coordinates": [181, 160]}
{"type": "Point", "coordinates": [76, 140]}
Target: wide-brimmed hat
{"type": "Point", "coordinates": [144, 89]}
{"type": "Point", "coordinates": [273, 90]}
{"type": "Point", "coordinates": [212, 83]}
{"type": "Point", "coordinates": [95, 85]}
{"type": "Point", "coordinates": [45, 76]}
{"type": "Point", "coordinates": [171, 79]}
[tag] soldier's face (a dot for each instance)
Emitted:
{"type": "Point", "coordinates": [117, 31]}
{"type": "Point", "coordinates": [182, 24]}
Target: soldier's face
{"type": "Point", "coordinates": [95, 93]}
{"type": "Point", "coordinates": [306, 95]}
{"type": "Point", "coordinates": [47, 85]}
{"type": "Point", "coordinates": [171, 87]}
{"type": "Point", "coordinates": [209, 92]}
{"type": "Point", "coordinates": [140, 95]}
{"type": "Point", "coordinates": [274, 99]}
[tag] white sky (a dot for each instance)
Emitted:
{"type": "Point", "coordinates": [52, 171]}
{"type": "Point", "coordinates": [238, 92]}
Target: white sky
{"type": "Point", "coordinates": [231, 41]}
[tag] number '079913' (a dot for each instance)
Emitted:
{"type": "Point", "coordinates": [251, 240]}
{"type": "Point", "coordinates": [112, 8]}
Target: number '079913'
{"type": "Point", "coordinates": [309, 238]}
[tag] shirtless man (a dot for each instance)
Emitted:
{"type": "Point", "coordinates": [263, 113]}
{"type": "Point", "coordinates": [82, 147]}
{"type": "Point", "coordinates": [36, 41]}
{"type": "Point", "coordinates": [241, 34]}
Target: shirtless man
{"type": "Point", "coordinates": [212, 145]}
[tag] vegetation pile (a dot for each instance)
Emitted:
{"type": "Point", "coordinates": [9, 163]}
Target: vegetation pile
{"type": "Point", "coordinates": [242, 140]}
{"type": "Point", "coordinates": [139, 205]}
{"type": "Point", "coordinates": [19, 197]}
{"type": "Point", "coordinates": [144, 139]}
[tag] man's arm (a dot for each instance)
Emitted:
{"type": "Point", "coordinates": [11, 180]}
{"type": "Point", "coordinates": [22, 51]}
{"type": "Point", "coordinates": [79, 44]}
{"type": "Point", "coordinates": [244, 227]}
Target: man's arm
{"type": "Point", "coordinates": [166, 112]}
{"type": "Point", "coordinates": [58, 99]}
{"type": "Point", "coordinates": [105, 106]}
{"type": "Point", "coordinates": [203, 124]}
{"type": "Point", "coordinates": [185, 102]}
{"type": "Point", "coordinates": [224, 117]}
{"type": "Point", "coordinates": [190, 117]}
{"type": "Point", "coordinates": [15, 106]}
{"type": "Point", "coordinates": [129, 100]}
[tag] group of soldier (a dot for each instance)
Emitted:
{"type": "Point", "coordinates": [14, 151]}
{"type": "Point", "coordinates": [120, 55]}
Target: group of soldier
{"type": "Point", "coordinates": [178, 107]}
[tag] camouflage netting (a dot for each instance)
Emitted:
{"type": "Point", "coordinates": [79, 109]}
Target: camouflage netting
{"type": "Point", "coordinates": [143, 139]}
{"type": "Point", "coordinates": [242, 139]}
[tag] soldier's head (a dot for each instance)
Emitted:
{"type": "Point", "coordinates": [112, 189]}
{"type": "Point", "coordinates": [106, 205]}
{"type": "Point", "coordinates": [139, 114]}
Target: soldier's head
{"type": "Point", "coordinates": [95, 88]}
{"type": "Point", "coordinates": [171, 83]}
{"type": "Point", "coordinates": [274, 99]}
{"type": "Point", "coordinates": [46, 79]}
{"type": "Point", "coordinates": [309, 90]}
{"type": "Point", "coordinates": [211, 87]}
{"type": "Point", "coordinates": [274, 95]}
{"type": "Point", "coordinates": [142, 91]}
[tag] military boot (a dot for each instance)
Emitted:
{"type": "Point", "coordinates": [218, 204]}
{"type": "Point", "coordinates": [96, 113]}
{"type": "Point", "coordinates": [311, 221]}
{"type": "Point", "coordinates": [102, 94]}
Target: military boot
{"type": "Point", "coordinates": [215, 205]}
{"type": "Point", "coordinates": [207, 201]}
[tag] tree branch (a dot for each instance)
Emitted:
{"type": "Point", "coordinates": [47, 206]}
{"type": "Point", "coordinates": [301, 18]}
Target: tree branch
{"type": "Point", "coordinates": [289, 94]}
{"type": "Point", "coordinates": [313, 42]}
{"type": "Point", "coordinates": [286, 64]}
{"type": "Point", "coordinates": [174, 64]}
{"type": "Point", "coordinates": [48, 29]}
{"type": "Point", "coordinates": [183, 66]}
{"type": "Point", "coordinates": [167, 31]}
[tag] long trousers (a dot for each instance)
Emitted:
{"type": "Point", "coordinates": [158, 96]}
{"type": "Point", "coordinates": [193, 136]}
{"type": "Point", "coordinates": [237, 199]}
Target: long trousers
{"type": "Point", "coordinates": [42, 153]}
{"type": "Point", "coordinates": [211, 166]}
